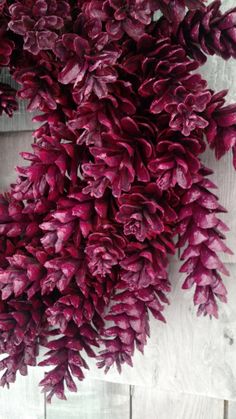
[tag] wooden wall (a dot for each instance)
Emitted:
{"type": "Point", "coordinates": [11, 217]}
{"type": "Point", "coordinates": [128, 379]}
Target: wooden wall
{"type": "Point", "coordinates": [189, 367]}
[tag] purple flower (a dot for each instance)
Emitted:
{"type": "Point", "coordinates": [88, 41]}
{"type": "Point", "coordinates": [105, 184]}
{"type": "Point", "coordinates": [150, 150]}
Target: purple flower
{"type": "Point", "coordinates": [57, 234]}
{"type": "Point", "coordinates": [72, 49]}
{"type": "Point", "coordinates": [16, 228]}
{"type": "Point", "coordinates": [142, 288]}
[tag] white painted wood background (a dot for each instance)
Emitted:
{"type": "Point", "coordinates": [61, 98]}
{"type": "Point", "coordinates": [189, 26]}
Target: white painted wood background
{"type": "Point", "coordinates": [189, 367]}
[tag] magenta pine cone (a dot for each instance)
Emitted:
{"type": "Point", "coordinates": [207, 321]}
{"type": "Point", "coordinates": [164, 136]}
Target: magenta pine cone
{"type": "Point", "coordinates": [221, 130]}
{"type": "Point", "coordinates": [141, 214]}
{"type": "Point", "coordinates": [209, 31]}
{"type": "Point", "coordinates": [8, 103]}
{"type": "Point", "coordinates": [6, 45]}
{"type": "Point", "coordinates": [203, 231]}
{"type": "Point", "coordinates": [176, 162]}
{"type": "Point", "coordinates": [104, 250]}
{"type": "Point", "coordinates": [114, 184]}
{"type": "Point", "coordinates": [38, 22]}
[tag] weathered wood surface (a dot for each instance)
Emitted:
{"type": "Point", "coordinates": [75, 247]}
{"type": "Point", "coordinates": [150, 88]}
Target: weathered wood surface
{"type": "Point", "coordinates": [22, 119]}
{"type": "Point", "coordinates": [188, 354]}
{"type": "Point", "coordinates": [225, 178]}
{"type": "Point", "coordinates": [100, 400]}
{"type": "Point", "coordinates": [11, 144]}
{"type": "Point", "coordinates": [23, 400]}
{"type": "Point", "coordinates": [231, 410]}
{"type": "Point", "coordinates": [94, 400]}
{"type": "Point", "coordinates": [155, 404]}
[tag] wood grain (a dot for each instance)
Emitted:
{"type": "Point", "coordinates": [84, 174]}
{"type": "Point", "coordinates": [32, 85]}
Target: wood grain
{"type": "Point", "coordinates": [94, 400]}
{"type": "Point", "coordinates": [188, 354]}
{"type": "Point", "coordinates": [231, 410]}
{"type": "Point", "coordinates": [197, 355]}
{"type": "Point", "coordinates": [156, 404]}
{"type": "Point", "coordinates": [22, 119]}
{"type": "Point", "coordinates": [24, 399]}
{"type": "Point", "coordinates": [11, 145]}
{"type": "Point", "coordinates": [220, 75]}
{"type": "Point", "coordinates": [225, 178]}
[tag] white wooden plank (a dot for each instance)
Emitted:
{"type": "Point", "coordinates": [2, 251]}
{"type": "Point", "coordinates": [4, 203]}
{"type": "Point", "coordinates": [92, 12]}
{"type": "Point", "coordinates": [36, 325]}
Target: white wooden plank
{"type": "Point", "coordinates": [95, 399]}
{"type": "Point", "coordinates": [188, 354]}
{"type": "Point", "coordinates": [197, 355]}
{"type": "Point", "coordinates": [225, 178]}
{"type": "Point", "coordinates": [22, 119]}
{"type": "Point", "coordinates": [24, 399]}
{"type": "Point", "coordinates": [11, 144]}
{"type": "Point", "coordinates": [231, 410]}
{"type": "Point", "coordinates": [156, 404]}
{"type": "Point", "coordinates": [220, 75]}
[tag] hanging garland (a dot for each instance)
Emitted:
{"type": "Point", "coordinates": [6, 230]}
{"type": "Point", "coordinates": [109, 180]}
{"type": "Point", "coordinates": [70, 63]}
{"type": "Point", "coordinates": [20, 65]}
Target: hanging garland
{"type": "Point", "coordinates": [115, 182]}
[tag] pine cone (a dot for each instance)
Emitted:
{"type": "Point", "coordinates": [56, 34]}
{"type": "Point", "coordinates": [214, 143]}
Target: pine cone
{"type": "Point", "coordinates": [22, 330]}
{"type": "Point", "coordinates": [6, 45]}
{"type": "Point", "coordinates": [221, 130]}
{"type": "Point", "coordinates": [64, 353]}
{"type": "Point", "coordinates": [209, 32]}
{"type": "Point", "coordinates": [174, 10]}
{"type": "Point", "coordinates": [203, 232]}
{"type": "Point", "coordinates": [142, 289]}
